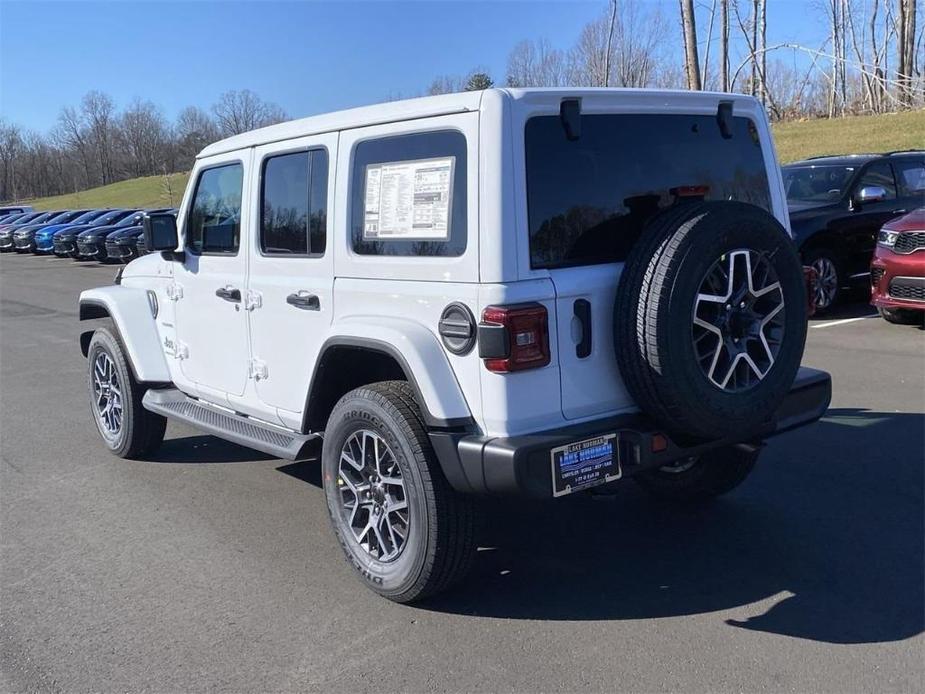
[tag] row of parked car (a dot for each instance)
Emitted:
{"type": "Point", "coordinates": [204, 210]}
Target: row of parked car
{"type": "Point", "coordinates": [105, 235]}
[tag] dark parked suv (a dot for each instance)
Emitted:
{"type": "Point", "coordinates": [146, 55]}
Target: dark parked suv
{"type": "Point", "coordinates": [837, 206]}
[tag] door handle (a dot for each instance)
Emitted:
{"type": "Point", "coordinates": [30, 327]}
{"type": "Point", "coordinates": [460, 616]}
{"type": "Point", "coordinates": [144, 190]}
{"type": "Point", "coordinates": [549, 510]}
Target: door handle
{"type": "Point", "coordinates": [305, 301]}
{"type": "Point", "coordinates": [898, 212]}
{"type": "Point", "coordinates": [229, 293]}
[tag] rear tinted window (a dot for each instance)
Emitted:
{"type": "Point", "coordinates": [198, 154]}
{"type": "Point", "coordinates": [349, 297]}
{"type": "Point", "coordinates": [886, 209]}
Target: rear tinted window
{"type": "Point", "coordinates": [293, 216]}
{"type": "Point", "coordinates": [589, 199]}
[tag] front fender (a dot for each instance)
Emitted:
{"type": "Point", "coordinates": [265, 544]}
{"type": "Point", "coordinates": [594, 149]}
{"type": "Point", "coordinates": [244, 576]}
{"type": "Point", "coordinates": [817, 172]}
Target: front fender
{"type": "Point", "coordinates": [130, 311]}
{"type": "Point", "coordinates": [421, 357]}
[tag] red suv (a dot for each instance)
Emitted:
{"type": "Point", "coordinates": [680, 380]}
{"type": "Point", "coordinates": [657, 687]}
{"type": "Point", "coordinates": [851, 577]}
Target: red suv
{"type": "Point", "coordinates": [897, 272]}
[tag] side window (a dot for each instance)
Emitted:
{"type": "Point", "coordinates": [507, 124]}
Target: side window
{"type": "Point", "coordinates": [879, 174]}
{"type": "Point", "coordinates": [408, 195]}
{"type": "Point", "coordinates": [293, 210]}
{"type": "Point", "coordinates": [910, 175]}
{"type": "Point", "coordinates": [214, 221]}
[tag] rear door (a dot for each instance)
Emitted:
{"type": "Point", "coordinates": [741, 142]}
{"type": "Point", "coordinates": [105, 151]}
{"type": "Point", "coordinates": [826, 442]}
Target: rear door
{"type": "Point", "coordinates": [290, 285]}
{"type": "Point", "coordinates": [588, 201]}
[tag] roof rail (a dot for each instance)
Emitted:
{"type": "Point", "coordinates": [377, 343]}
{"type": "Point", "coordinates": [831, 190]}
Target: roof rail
{"type": "Point", "coordinates": [904, 151]}
{"type": "Point", "coordinates": [835, 156]}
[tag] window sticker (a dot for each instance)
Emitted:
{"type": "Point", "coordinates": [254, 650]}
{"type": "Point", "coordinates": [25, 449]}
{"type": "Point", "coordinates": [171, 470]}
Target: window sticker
{"type": "Point", "coordinates": [408, 199]}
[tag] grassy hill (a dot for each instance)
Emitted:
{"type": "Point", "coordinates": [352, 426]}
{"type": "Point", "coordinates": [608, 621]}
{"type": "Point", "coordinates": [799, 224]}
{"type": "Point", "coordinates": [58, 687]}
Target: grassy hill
{"type": "Point", "coordinates": [850, 135]}
{"type": "Point", "coordinates": [795, 140]}
{"type": "Point", "coordinates": [150, 191]}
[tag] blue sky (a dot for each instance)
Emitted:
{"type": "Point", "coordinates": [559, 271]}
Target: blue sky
{"type": "Point", "coordinates": [309, 57]}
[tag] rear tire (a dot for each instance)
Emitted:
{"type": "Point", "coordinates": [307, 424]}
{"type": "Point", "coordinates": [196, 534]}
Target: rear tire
{"type": "Point", "coordinates": [711, 475]}
{"type": "Point", "coordinates": [401, 526]}
{"type": "Point", "coordinates": [899, 316]}
{"type": "Point", "coordinates": [829, 278]}
{"type": "Point", "coordinates": [126, 427]}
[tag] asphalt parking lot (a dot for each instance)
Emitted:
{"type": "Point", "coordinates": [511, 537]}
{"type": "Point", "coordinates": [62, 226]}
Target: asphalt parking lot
{"type": "Point", "coordinates": [212, 567]}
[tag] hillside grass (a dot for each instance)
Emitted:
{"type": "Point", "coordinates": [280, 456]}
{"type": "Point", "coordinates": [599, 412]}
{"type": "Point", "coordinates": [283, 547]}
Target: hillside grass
{"type": "Point", "coordinates": [795, 140]}
{"type": "Point", "coordinates": [147, 192]}
{"type": "Point", "coordinates": [850, 135]}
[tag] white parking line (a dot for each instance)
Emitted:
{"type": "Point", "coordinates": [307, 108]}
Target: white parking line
{"type": "Point", "coordinates": [843, 321]}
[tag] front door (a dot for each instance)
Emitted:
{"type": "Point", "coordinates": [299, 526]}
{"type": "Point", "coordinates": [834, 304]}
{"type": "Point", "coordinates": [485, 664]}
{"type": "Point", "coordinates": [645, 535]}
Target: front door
{"type": "Point", "coordinates": [210, 283]}
{"type": "Point", "coordinates": [290, 284]}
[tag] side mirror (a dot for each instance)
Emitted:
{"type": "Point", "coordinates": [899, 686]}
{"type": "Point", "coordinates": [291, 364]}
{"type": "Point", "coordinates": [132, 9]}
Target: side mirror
{"type": "Point", "coordinates": [868, 194]}
{"type": "Point", "coordinates": [160, 230]}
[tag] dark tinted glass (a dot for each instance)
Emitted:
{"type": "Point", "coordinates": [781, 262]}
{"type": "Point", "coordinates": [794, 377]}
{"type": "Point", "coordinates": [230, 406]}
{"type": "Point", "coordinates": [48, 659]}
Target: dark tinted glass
{"type": "Point", "coordinates": [294, 204]}
{"type": "Point", "coordinates": [434, 145]}
{"type": "Point", "coordinates": [87, 217]}
{"type": "Point", "coordinates": [318, 203]}
{"type": "Point", "coordinates": [910, 174]}
{"type": "Point", "coordinates": [816, 183]}
{"type": "Point", "coordinates": [589, 199]}
{"type": "Point", "coordinates": [214, 221]}
{"type": "Point", "coordinates": [879, 174]}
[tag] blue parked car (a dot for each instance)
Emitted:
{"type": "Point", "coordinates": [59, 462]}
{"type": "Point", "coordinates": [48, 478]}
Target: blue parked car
{"type": "Point", "coordinates": [24, 237]}
{"type": "Point", "coordinates": [64, 241]}
{"type": "Point", "coordinates": [43, 240]}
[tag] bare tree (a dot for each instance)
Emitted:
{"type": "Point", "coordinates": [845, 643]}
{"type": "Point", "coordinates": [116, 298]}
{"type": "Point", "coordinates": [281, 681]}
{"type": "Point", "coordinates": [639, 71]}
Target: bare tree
{"type": "Point", "coordinates": [99, 113]}
{"type": "Point", "coordinates": [724, 45]}
{"type": "Point", "coordinates": [193, 131]}
{"type": "Point", "coordinates": [619, 48]}
{"type": "Point", "coordinates": [239, 111]}
{"type": "Point", "coordinates": [11, 148]}
{"type": "Point", "coordinates": [906, 53]}
{"type": "Point", "coordinates": [72, 135]}
{"type": "Point", "coordinates": [691, 58]}
{"type": "Point", "coordinates": [538, 64]}
{"type": "Point", "coordinates": [144, 138]}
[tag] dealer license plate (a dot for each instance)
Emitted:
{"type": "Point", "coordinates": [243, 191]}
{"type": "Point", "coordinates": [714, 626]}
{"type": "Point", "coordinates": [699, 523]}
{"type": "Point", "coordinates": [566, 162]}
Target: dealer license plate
{"type": "Point", "coordinates": [585, 464]}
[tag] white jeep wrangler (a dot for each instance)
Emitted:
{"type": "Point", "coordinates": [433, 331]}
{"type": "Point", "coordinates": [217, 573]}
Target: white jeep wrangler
{"type": "Point", "coordinates": [502, 292]}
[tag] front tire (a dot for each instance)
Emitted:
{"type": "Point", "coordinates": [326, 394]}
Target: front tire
{"type": "Point", "coordinates": [126, 427]}
{"type": "Point", "coordinates": [701, 478]}
{"type": "Point", "coordinates": [899, 316]}
{"type": "Point", "coordinates": [405, 531]}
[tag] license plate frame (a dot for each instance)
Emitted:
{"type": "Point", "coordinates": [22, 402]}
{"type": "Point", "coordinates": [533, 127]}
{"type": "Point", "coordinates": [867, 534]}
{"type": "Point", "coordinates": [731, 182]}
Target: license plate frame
{"type": "Point", "coordinates": [586, 463]}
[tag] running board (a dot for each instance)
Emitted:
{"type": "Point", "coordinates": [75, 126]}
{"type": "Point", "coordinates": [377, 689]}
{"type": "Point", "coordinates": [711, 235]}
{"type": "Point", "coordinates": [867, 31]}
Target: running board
{"type": "Point", "coordinates": [173, 404]}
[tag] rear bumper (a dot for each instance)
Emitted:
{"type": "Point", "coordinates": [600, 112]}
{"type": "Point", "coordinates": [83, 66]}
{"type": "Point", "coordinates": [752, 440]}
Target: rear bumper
{"type": "Point", "coordinates": [521, 465]}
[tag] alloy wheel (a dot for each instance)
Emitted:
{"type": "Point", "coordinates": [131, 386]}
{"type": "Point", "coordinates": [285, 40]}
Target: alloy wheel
{"type": "Point", "coordinates": [372, 493]}
{"type": "Point", "coordinates": [108, 394]}
{"type": "Point", "coordinates": [738, 320]}
{"type": "Point", "coordinates": [826, 282]}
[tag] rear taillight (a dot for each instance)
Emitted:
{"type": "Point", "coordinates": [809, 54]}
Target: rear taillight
{"type": "Point", "coordinates": [514, 338]}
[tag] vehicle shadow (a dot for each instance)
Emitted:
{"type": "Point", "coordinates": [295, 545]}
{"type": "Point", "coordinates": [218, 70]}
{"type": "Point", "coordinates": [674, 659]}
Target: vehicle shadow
{"type": "Point", "coordinates": [853, 307]}
{"type": "Point", "coordinates": [204, 449]}
{"type": "Point", "coordinates": [827, 535]}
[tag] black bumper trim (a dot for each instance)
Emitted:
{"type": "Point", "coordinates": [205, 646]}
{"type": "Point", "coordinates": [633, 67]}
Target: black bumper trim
{"type": "Point", "coordinates": [520, 465]}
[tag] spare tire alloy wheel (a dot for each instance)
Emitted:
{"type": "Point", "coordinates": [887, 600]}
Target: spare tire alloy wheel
{"type": "Point", "coordinates": [738, 320]}
{"type": "Point", "coordinates": [710, 320]}
{"type": "Point", "coordinates": [372, 492]}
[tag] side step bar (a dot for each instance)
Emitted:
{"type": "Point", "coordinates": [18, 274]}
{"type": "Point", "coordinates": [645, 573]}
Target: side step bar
{"type": "Point", "coordinates": [173, 404]}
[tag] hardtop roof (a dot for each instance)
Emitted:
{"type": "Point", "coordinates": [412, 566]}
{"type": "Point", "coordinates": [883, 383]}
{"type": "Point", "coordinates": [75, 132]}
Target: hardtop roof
{"type": "Point", "coordinates": [430, 106]}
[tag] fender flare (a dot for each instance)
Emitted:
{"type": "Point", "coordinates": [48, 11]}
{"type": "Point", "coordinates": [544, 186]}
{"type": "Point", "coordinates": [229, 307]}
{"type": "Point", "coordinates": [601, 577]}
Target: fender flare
{"type": "Point", "coordinates": [130, 311]}
{"type": "Point", "coordinates": [419, 355]}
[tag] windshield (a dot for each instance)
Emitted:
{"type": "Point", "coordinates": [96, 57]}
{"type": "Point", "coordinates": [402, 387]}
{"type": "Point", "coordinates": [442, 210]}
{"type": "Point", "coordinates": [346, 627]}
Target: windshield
{"type": "Point", "coordinates": [588, 199]}
{"type": "Point", "coordinates": [129, 220]}
{"type": "Point", "coordinates": [816, 183]}
{"type": "Point", "coordinates": [87, 216]}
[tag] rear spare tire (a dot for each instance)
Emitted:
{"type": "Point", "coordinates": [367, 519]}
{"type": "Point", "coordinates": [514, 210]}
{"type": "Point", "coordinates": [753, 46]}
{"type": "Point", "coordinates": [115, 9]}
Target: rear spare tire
{"type": "Point", "coordinates": [710, 319]}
